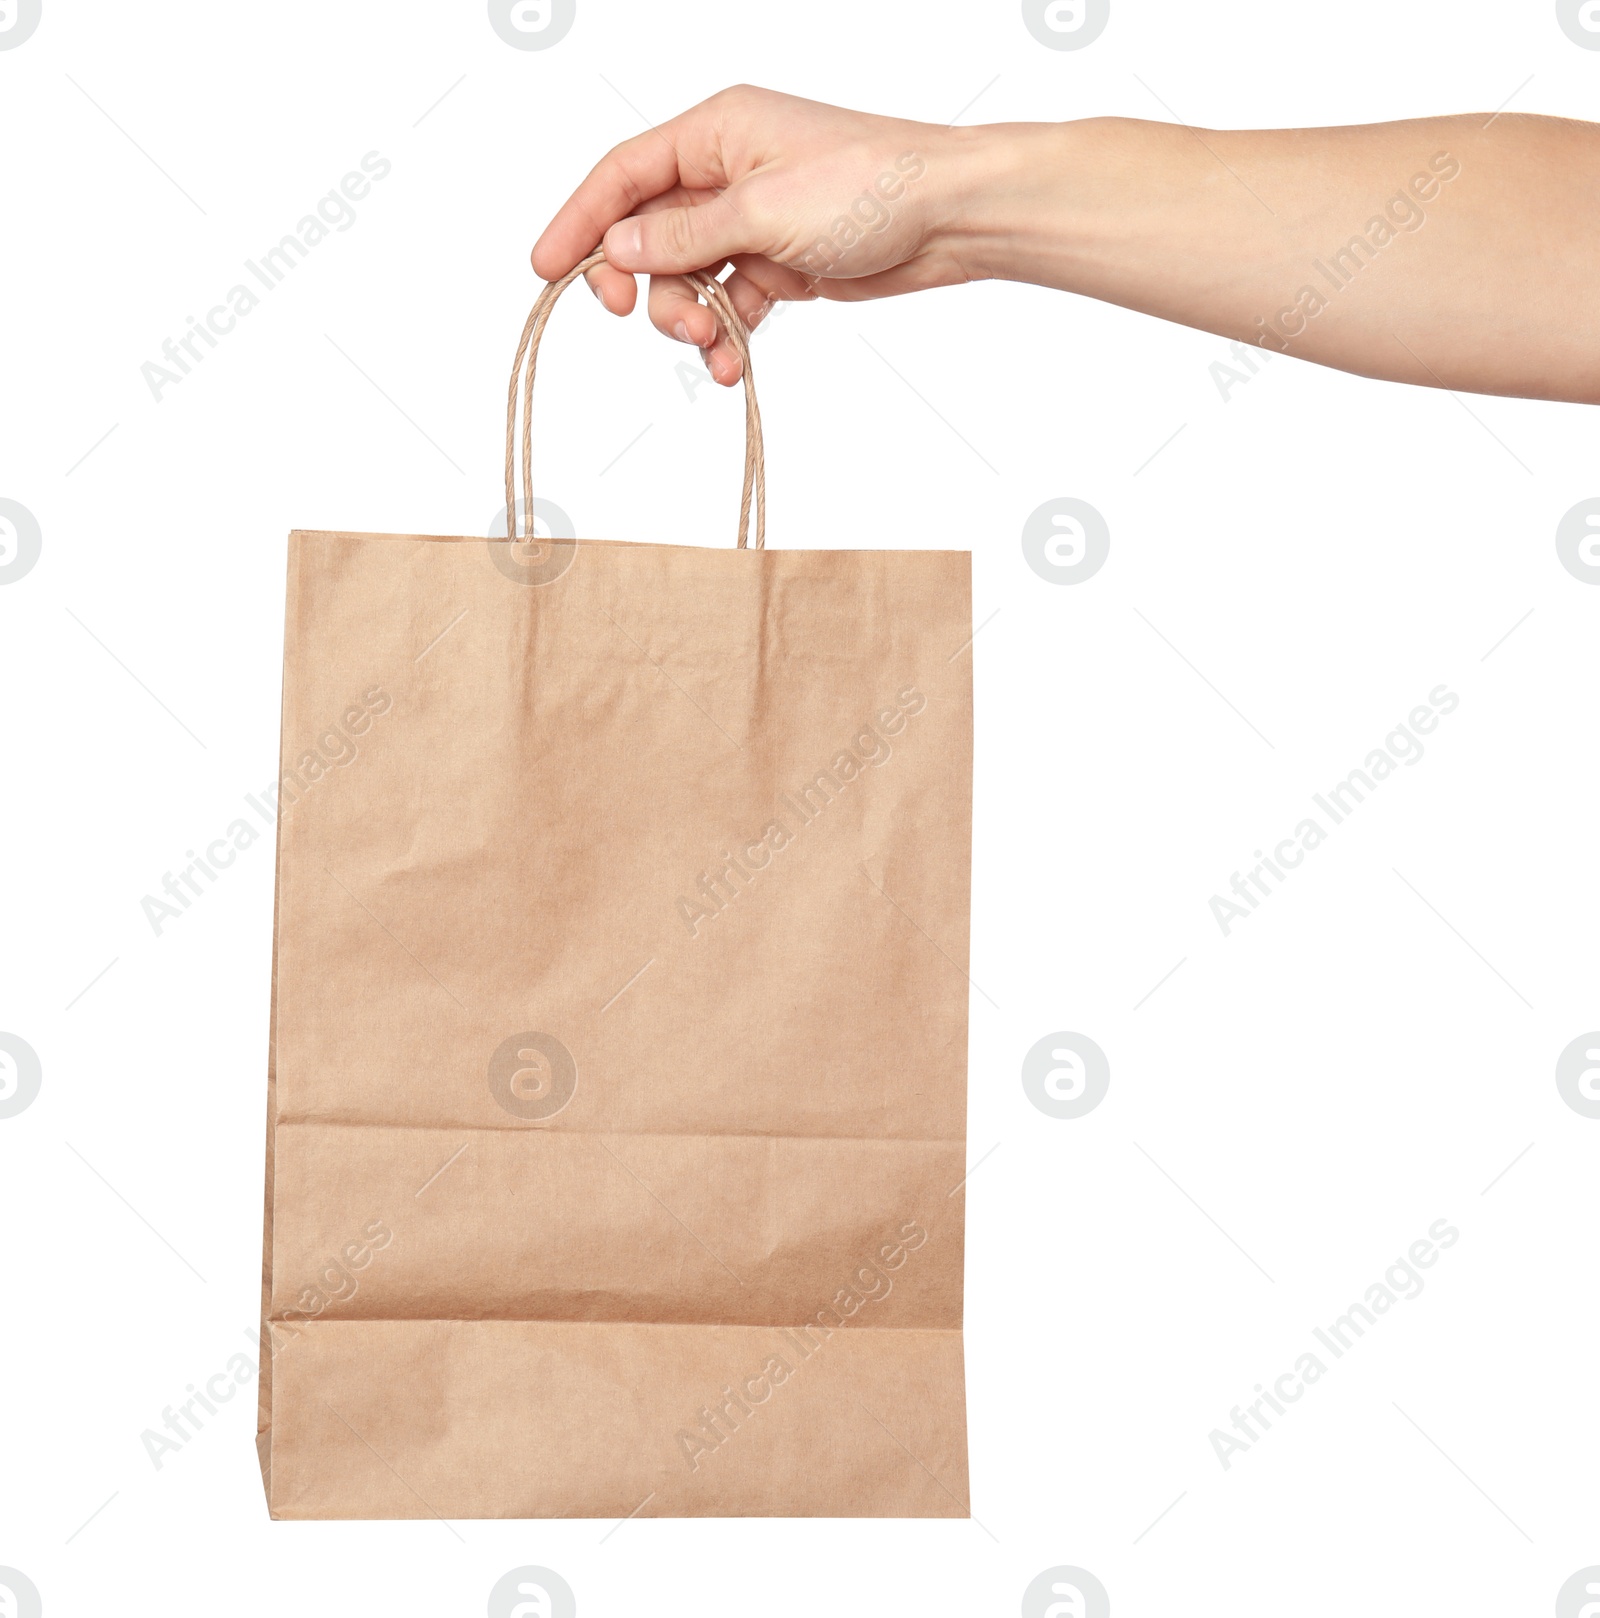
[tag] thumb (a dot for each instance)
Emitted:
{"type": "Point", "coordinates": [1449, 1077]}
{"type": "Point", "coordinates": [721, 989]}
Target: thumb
{"type": "Point", "coordinates": [672, 241]}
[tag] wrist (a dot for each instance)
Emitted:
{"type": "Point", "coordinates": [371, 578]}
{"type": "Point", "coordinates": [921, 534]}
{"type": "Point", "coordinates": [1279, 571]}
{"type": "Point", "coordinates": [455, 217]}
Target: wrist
{"type": "Point", "coordinates": [1028, 202]}
{"type": "Point", "coordinates": [1000, 202]}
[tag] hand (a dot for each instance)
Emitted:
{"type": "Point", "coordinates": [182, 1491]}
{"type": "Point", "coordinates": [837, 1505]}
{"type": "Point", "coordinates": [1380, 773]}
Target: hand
{"type": "Point", "coordinates": [803, 199]}
{"type": "Point", "coordinates": [1310, 241]}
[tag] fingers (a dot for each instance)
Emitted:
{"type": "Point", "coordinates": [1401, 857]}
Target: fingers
{"type": "Point", "coordinates": [670, 241]}
{"type": "Point", "coordinates": [757, 283]}
{"type": "Point", "coordinates": [676, 311]}
{"type": "Point", "coordinates": [683, 152]}
{"type": "Point", "coordinates": [628, 176]}
{"type": "Point", "coordinates": [754, 287]}
{"type": "Point", "coordinates": [615, 288]}
{"type": "Point", "coordinates": [617, 292]}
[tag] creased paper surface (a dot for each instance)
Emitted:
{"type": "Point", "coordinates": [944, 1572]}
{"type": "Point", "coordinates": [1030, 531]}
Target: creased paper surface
{"type": "Point", "coordinates": [616, 1127]}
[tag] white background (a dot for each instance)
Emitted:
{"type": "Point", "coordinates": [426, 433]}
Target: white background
{"type": "Point", "coordinates": [1288, 577]}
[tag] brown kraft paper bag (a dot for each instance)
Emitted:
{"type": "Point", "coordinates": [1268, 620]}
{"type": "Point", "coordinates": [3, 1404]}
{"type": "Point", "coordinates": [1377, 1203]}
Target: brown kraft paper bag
{"type": "Point", "coordinates": [617, 1089]}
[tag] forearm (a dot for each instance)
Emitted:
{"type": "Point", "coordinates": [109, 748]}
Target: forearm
{"type": "Point", "coordinates": [1436, 251]}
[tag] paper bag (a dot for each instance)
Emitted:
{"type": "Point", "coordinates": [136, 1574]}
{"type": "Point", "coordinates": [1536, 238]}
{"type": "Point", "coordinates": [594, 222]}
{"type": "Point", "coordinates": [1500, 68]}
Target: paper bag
{"type": "Point", "coordinates": [616, 1137]}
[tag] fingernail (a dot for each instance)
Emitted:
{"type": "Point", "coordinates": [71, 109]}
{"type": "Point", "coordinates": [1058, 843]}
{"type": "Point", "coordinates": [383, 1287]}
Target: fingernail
{"type": "Point", "coordinates": [630, 240]}
{"type": "Point", "coordinates": [596, 291]}
{"type": "Point", "coordinates": [681, 332]}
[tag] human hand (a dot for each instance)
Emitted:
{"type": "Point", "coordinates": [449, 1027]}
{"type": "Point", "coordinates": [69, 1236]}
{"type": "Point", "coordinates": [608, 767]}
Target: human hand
{"type": "Point", "coordinates": [803, 199]}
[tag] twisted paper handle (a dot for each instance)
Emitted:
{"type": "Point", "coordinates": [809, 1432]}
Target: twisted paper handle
{"type": "Point", "coordinates": [755, 473]}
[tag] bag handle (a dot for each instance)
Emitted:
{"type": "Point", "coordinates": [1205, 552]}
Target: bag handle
{"type": "Point", "coordinates": [709, 288]}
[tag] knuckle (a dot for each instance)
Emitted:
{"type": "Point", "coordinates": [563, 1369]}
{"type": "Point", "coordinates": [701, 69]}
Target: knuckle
{"type": "Point", "coordinates": [676, 235]}
{"type": "Point", "coordinates": [737, 97]}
